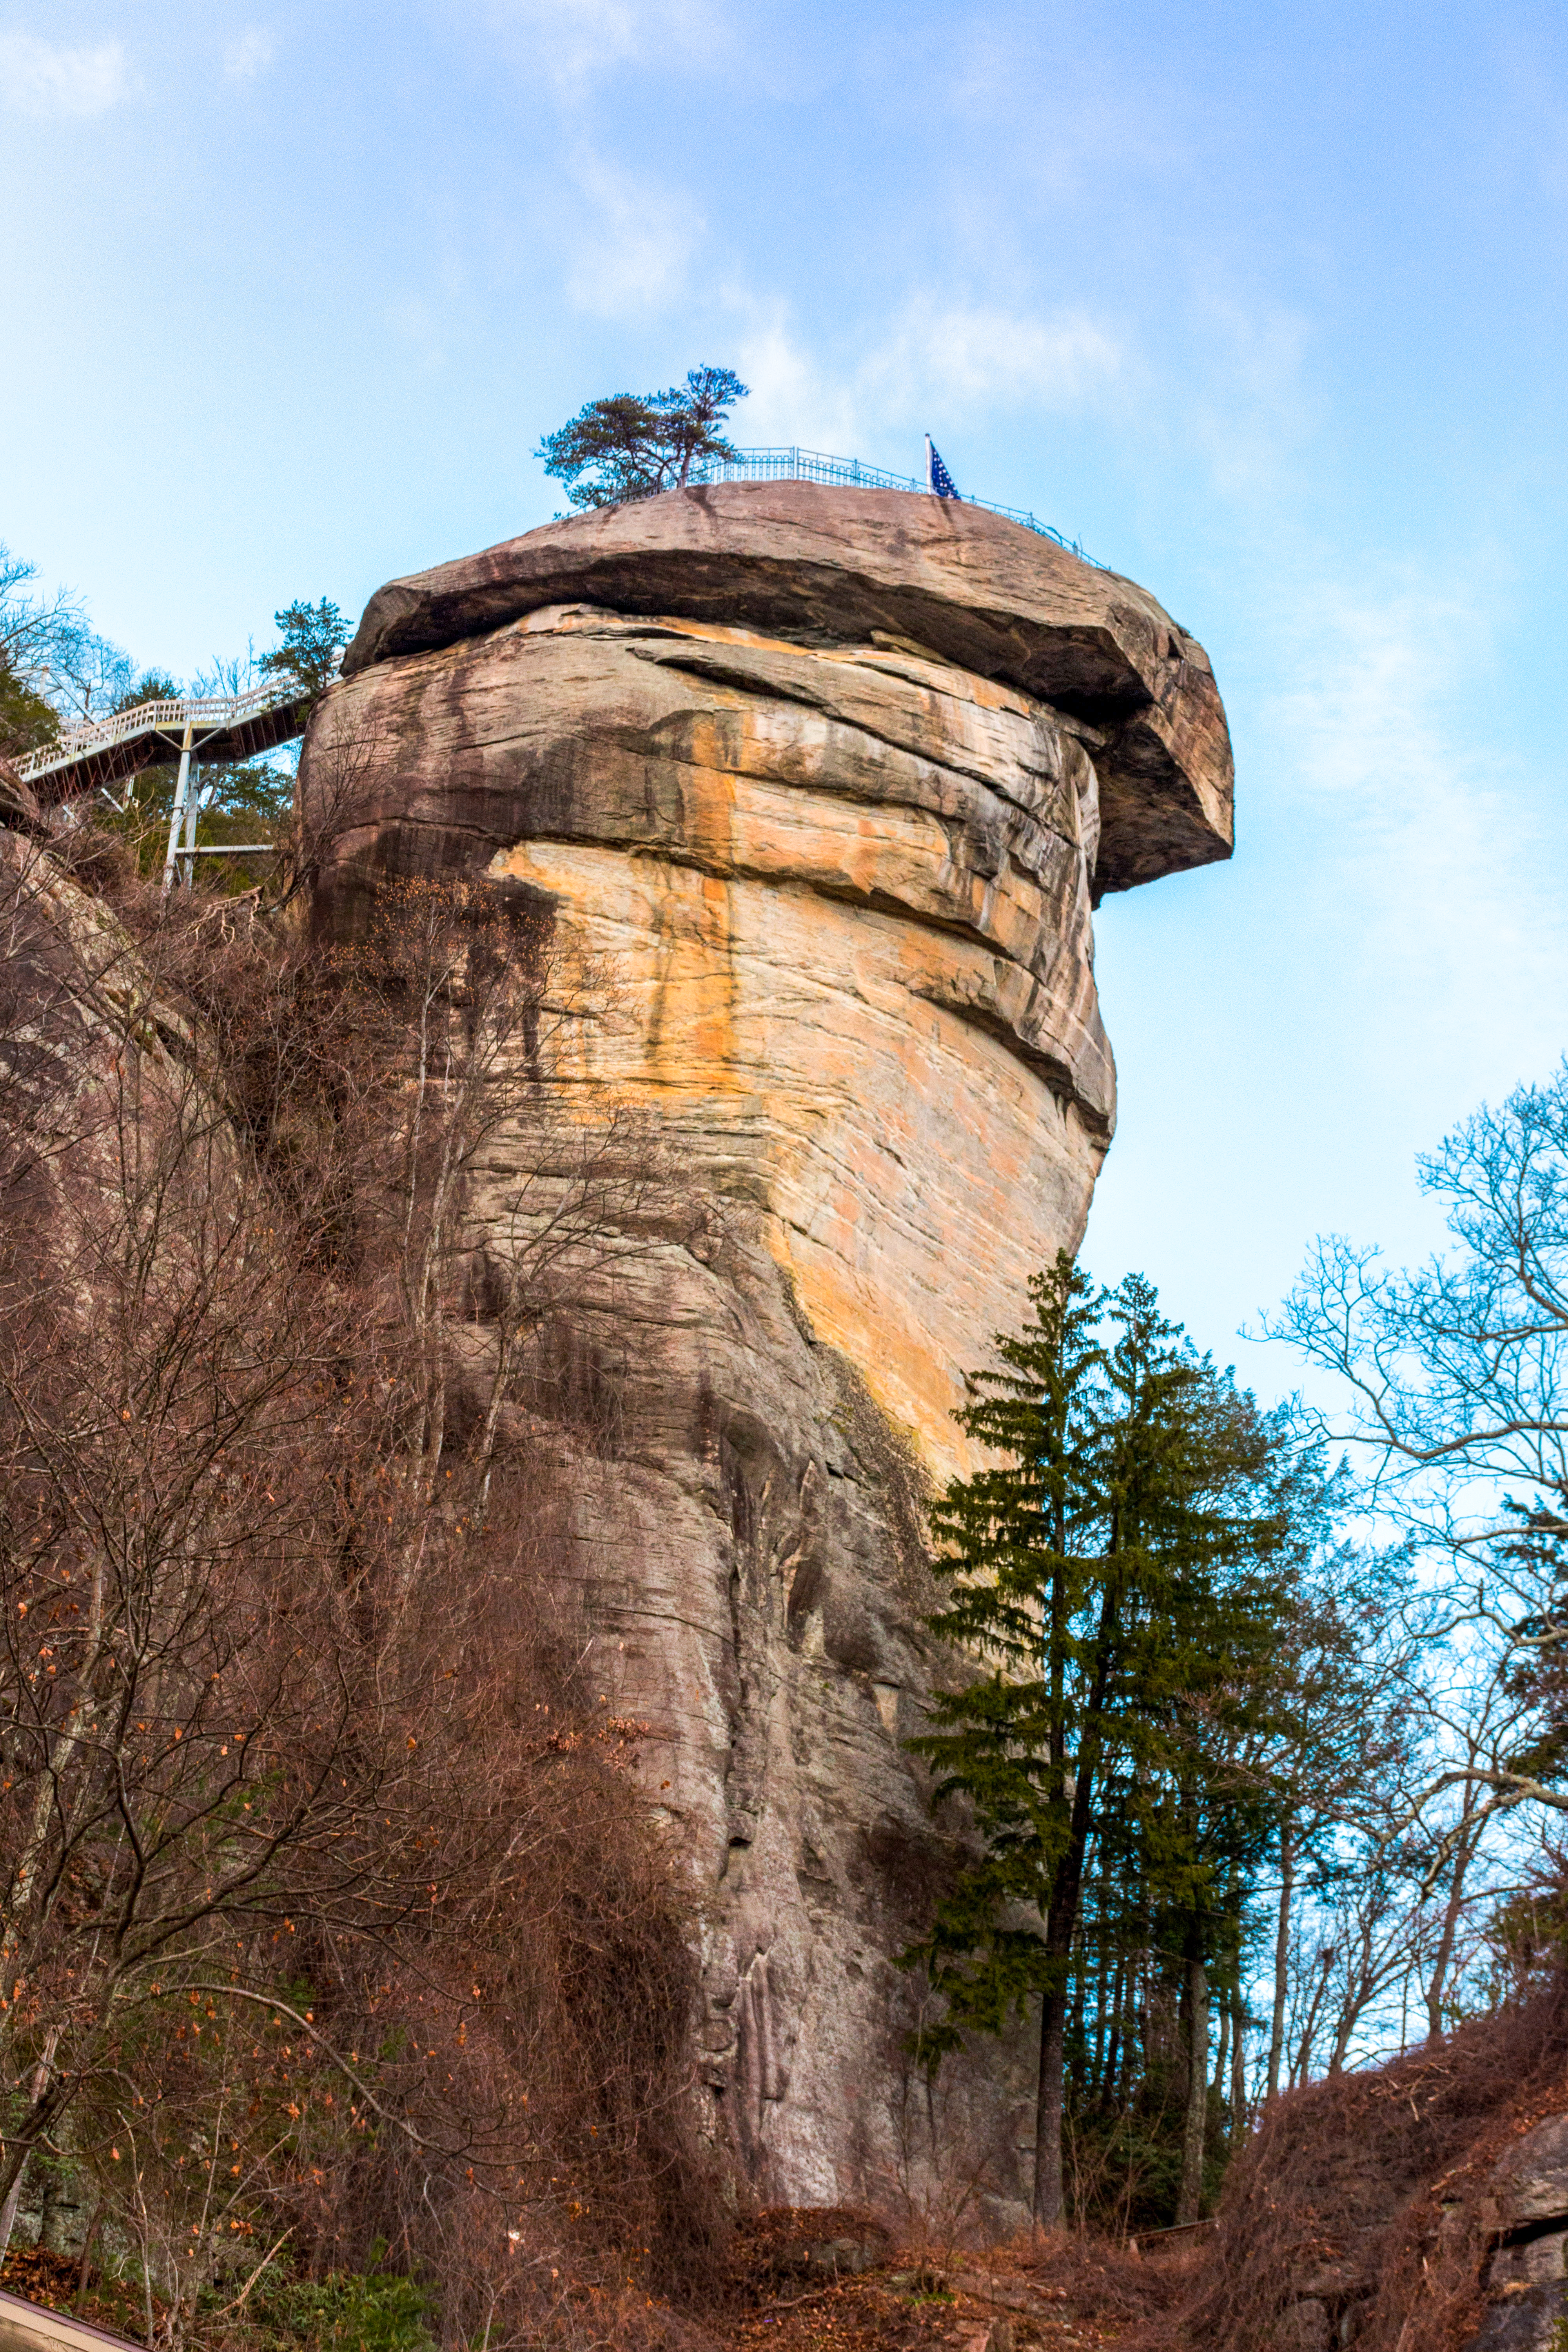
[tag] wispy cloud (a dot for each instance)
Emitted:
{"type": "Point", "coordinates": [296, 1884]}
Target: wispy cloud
{"type": "Point", "coordinates": [926, 363]}
{"type": "Point", "coordinates": [44, 78]}
{"type": "Point", "coordinates": [1253, 410]}
{"type": "Point", "coordinates": [1447, 901]}
{"type": "Point", "coordinates": [249, 54]}
{"type": "Point", "coordinates": [418, 326]}
{"type": "Point", "coordinates": [573, 43]}
{"type": "Point", "coordinates": [984, 358]}
{"type": "Point", "coordinates": [630, 246]}
{"type": "Point", "coordinates": [794, 397]}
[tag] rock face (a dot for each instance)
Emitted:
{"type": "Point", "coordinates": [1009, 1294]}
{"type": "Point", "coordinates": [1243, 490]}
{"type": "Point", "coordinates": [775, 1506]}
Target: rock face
{"type": "Point", "coordinates": [1527, 2278]}
{"type": "Point", "coordinates": [821, 786]}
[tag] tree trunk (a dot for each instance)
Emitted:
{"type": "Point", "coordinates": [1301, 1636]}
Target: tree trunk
{"type": "Point", "coordinates": [1061, 1926]}
{"type": "Point", "coordinates": [1281, 1962]}
{"type": "Point", "coordinates": [1113, 2045]}
{"type": "Point", "coordinates": [1197, 2091]}
{"type": "Point", "coordinates": [9, 2211]}
{"type": "Point", "coordinates": [1079, 1992]}
{"type": "Point", "coordinates": [1049, 2201]}
{"type": "Point", "coordinates": [38, 2118]}
{"type": "Point", "coordinates": [1309, 2030]}
{"type": "Point", "coordinates": [84, 2268]}
{"type": "Point", "coordinates": [1238, 2075]}
{"type": "Point", "coordinates": [1135, 2031]}
{"type": "Point", "coordinates": [1446, 1941]}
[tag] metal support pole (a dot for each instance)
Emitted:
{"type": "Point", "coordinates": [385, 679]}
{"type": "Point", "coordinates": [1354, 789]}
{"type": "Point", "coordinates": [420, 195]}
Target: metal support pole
{"type": "Point", "coordinates": [179, 811]}
{"type": "Point", "coordinates": [192, 803]}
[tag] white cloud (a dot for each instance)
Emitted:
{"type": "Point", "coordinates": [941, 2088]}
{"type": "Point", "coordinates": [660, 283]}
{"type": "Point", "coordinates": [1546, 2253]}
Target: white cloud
{"type": "Point", "coordinates": [44, 78]}
{"type": "Point", "coordinates": [1252, 412]}
{"type": "Point", "coordinates": [792, 398]}
{"type": "Point", "coordinates": [572, 42]}
{"type": "Point", "coordinates": [975, 357]}
{"type": "Point", "coordinates": [249, 54]}
{"type": "Point", "coordinates": [632, 243]}
{"type": "Point", "coordinates": [928, 364]}
{"type": "Point", "coordinates": [1442, 855]}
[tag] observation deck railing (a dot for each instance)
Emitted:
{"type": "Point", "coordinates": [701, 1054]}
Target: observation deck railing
{"type": "Point", "coordinates": [796, 464]}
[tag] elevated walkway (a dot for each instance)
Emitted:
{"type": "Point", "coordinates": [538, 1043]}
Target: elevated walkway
{"type": "Point", "coordinates": [103, 753]}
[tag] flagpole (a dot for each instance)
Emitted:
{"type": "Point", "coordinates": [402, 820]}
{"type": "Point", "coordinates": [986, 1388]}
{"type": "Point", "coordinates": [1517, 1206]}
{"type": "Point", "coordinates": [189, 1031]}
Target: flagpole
{"type": "Point", "coordinates": [927, 462]}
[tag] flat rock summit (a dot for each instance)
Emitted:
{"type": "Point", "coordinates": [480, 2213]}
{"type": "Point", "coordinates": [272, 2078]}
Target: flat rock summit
{"type": "Point", "coordinates": [814, 791]}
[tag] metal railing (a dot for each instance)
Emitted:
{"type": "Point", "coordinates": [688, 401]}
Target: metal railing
{"type": "Point", "coordinates": [795, 465]}
{"type": "Point", "coordinates": [169, 713]}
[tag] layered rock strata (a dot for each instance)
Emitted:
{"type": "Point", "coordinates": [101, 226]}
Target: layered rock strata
{"type": "Point", "coordinates": [816, 790]}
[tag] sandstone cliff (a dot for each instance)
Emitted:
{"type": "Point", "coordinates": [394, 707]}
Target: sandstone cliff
{"type": "Point", "coordinates": [820, 786]}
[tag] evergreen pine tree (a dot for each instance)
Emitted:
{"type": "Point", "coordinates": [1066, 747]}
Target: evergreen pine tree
{"type": "Point", "coordinates": [1104, 1572]}
{"type": "Point", "coordinates": [632, 445]}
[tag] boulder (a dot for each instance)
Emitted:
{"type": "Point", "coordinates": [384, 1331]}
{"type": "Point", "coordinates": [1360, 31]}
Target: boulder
{"type": "Point", "coordinates": [1527, 2276]}
{"type": "Point", "coordinates": [1530, 2182]}
{"type": "Point", "coordinates": [1527, 2321]}
{"type": "Point", "coordinates": [1305, 2325]}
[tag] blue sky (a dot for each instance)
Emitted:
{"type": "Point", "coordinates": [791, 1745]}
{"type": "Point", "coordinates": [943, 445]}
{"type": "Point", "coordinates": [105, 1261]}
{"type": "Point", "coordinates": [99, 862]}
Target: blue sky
{"type": "Point", "coordinates": [1265, 305]}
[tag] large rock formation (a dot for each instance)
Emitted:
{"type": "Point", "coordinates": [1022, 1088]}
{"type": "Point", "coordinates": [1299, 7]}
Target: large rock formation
{"type": "Point", "coordinates": [826, 783]}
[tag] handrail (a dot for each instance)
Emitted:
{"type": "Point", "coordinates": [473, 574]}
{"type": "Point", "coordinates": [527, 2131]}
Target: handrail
{"type": "Point", "coordinates": [797, 464]}
{"type": "Point", "coordinates": [28, 2327]}
{"type": "Point", "coordinates": [168, 711]}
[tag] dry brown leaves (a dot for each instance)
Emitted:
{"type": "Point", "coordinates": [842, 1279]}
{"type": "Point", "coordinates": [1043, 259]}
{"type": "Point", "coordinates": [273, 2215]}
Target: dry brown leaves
{"type": "Point", "coordinates": [1064, 2296]}
{"type": "Point", "coordinates": [50, 2279]}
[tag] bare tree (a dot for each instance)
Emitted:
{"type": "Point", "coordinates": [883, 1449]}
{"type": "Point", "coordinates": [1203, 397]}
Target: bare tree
{"type": "Point", "coordinates": [1457, 1375]}
{"type": "Point", "coordinates": [47, 643]}
{"type": "Point", "coordinates": [290, 1756]}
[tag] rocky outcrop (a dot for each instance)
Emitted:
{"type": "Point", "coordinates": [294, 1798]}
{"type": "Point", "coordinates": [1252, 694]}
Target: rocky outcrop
{"type": "Point", "coordinates": [1513, 2224]}
{"type": "Point", "coordinates": [813, 791]}
{"type": "Point", "coordinates": [1416, 2205]}
{"type": "Point", "coordinates": [86, 1034]}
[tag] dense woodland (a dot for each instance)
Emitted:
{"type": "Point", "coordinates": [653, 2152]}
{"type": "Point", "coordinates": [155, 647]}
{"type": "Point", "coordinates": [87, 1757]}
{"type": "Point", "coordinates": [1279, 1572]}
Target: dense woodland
{"type": "Point", "coordinates": [340, 1958]}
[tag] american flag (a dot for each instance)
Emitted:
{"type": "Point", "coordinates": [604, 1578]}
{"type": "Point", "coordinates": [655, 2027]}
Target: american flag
{"type": "Point", "coordinates": [939, 481]}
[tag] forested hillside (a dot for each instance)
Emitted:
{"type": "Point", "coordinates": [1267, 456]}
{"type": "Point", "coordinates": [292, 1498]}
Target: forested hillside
{"type": "Point", "coordinates": [354, 1959]}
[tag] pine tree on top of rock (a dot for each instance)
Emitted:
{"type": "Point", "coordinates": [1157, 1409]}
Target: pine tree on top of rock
{"type": "Point", "coordinates": [632, 445]}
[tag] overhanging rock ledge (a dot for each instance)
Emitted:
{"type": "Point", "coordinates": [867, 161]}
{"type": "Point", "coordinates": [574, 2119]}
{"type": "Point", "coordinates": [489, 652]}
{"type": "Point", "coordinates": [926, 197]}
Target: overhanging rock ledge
{"type": "Point", "coordinates": [975, 589]}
